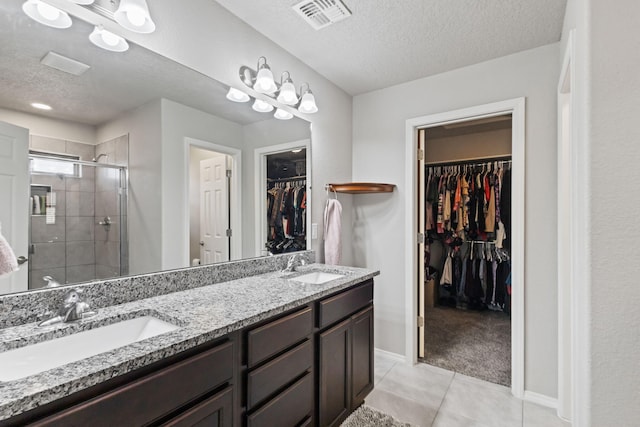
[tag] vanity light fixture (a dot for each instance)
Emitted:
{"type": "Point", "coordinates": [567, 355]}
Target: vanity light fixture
{"type": "Point", "coordinates": [287, 95]}
{"type": "Point", "coordinates": [46, 14]}
{"type": "Point", "coordinates": [134, 16]}
{"type": "Point", "coordinates": [281, 114]}
{"type": "Point", "coordinates": [262, 82]}
{"type": "Point", "coordinates": [264, 79]}
{"type": "Point", "coordinates": [236, 95]}
{"type": "Point", "coordinates": [308, 101]}
{"type": "Point", "coordinates": [262, 106]}
{"type": "Point", "coordinates": [107, 40]}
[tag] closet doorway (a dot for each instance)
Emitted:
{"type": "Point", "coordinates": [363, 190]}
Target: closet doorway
{"type": "Point", "coordinates": [414, 249]}
{"type": "Point", "coordinates": [465, 218]}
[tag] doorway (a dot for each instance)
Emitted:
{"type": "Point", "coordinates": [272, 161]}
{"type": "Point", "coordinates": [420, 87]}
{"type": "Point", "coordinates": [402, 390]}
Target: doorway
{"type": "Point", "coordinates": [464, 274]}
{"type": "Point", "coordinates": [515, 107]}
{"type": "Point", "coordinates": [209, 206]}
{"type": "Point", "coordinates": [283, 189]}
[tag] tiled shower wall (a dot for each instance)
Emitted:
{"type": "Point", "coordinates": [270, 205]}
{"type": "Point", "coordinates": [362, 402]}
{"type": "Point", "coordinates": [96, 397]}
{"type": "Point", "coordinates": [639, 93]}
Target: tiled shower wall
{"type": "Point", "coordinates": [108, 201]}
{"type": "Point", "coordinates": [76, 248]}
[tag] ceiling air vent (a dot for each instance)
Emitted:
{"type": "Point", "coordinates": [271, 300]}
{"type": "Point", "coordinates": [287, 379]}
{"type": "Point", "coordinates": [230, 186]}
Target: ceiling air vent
{"type": "Point", "coordinates": [322, 13]}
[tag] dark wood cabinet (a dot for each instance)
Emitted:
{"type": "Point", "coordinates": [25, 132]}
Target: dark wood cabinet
{"type": "Point", "coordinates": [310, 366]}
{"type": "Point", "coordinates": [345, 354]}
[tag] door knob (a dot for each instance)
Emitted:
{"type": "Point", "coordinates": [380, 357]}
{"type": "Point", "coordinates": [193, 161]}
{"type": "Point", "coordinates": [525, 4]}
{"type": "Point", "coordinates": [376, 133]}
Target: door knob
{"type": "Point", "coordinates": [22, 260]}
{"type": "Point", "coordinates": [201, 243]}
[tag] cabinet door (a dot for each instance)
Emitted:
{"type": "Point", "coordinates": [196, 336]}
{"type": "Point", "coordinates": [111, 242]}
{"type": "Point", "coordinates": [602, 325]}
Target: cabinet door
{"type": "Point", "coordinates": [361, 356]}
{"type": "Point", "coordinates": [334, 385]}
{"type": "Point", "coordinates": [217, 411]}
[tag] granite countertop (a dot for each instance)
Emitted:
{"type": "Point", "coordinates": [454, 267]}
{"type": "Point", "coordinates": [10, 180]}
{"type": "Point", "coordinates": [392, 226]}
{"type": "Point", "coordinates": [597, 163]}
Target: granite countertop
{"type": "Point", "coordinates": [203, 313]}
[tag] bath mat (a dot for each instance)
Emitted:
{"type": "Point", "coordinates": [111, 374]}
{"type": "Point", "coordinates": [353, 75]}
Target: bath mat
{"type": "Point", "coordinates": [365, 416]}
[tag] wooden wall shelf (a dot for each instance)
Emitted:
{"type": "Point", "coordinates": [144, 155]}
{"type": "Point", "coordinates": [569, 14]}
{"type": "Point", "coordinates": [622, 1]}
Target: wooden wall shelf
{"type": "Point", "coordinates": [361, 187]}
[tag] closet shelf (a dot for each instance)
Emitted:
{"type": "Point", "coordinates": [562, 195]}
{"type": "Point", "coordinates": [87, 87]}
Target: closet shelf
{"type": "Point", "coordinates": [361, 187]}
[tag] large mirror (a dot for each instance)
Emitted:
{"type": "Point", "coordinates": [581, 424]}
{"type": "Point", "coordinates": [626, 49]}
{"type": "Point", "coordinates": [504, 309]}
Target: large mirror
{"type": "Point", "coordinates": [140, 165]}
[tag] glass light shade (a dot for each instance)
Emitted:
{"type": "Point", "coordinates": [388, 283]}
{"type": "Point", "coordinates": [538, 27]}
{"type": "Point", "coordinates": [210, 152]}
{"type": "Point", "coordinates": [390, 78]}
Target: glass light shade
{"type": "Point", "coordinates": [83, 2]}
{"type": "Point", "coordinates": [288, 95]}
{"type": "Point", "coordinates": [134, 16]}
{"type": "Point", "coordinates": [264, 81]}
{"type": "Point", "coordinates": [261, 106]}
{"type": "Point", "coordinates": [308, 103]}
{"type": "Point", "coordinates": [108, 40]}
{"type": "Point", "coordinates": [282, 114]}
{"type": "Point", "coordinates": [236, 95]}
{"type": "Point", "coordinates": [46, 14]}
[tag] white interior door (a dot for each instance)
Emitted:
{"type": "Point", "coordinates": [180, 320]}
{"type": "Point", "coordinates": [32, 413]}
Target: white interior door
{"type": "Point", "coordinates": [14, 197]}
{"type": "Point", "coordinates": [214, 210]}
{"type": "Point", "coordinates": [421, 244]}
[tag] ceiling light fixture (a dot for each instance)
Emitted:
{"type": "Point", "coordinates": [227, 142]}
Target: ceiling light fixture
{"type": "Point", "coordinates": [41, 106]}
{"type": "Point", "coordinates": [281, 114]}
{"type": "Point", "coordinates": [262, 106]}
{"type": "Point", "coordinates": [236, 95]}
{"type": "Point", "coordinates": [107, 40]}
{"type": "Point", "coordinates": [46, 14]}
{"type": "Point", "coordinates": [134, 16]}
{"type": "Point", "coordinates": [261, 80]}
{"type": "Point", "coordinates": [83, 2]}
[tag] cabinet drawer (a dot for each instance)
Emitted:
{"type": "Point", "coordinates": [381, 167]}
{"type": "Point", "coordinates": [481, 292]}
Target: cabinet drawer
{"type": "Point", "coordinates": [337, 307]}
{"type": "Point", "coordinates": [215, 411]}
{"type": "Point", "coordinates": [288, 409]}
{"type": "Point", "coordinates": [268, 379]}
{"type": "Point", "coordinates": [267, 340]}
{"type": "Point", "coordinates": [154, 395]}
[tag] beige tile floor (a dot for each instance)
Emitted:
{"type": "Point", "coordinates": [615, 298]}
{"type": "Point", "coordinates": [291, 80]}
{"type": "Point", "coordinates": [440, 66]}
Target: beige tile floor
{"type": "Point", "coordinates": [427, 396]}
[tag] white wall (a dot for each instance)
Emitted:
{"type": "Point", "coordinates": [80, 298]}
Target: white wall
{"type": "Point", "coordinates": [613, 110]}
{"type": "Point", "coordinates": [257, 135]}
{"type": "Point", "coordinates": [378, 155]}
{"type": "Point", "coordinates": [145, 169]}
{"type": "Point", "coordinates": [178, 122]}
{"type": "Point", "coordinates": [53, 128]}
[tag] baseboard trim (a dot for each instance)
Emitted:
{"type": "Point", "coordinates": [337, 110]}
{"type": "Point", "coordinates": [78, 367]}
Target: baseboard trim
{"type": "Point", "coordinates": [395, 356]}
{"type": "Point", "coordinates": [540, 399]}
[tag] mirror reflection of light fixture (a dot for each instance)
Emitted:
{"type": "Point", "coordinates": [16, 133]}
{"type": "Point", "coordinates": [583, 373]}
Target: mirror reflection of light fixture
{"type": "Point", "coordinates": [262, 106]}
{"type": "Point", "coordinates": [46, 14]}
{"type": "Point", "coordinates": [308, 101]}
{"type": "Point", "coordinates": [107, 40]}
{"type": "Point", "coordinates": [287, 95]}
{"type": "Point", "coordinates": [236, 95]}
{"type": "Point", "coordinates": [282, 114]}
{"type": "Point", "coordinates": [134, 16]}
{"type": "Point", "coordinates": [264, 79]}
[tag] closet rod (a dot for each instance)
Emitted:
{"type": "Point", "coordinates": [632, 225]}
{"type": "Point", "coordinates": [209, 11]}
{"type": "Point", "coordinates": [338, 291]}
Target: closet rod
{"type": "Point", "coordinates": [478, 161]}
{"type": "Point", "coordinates": [293, 178]}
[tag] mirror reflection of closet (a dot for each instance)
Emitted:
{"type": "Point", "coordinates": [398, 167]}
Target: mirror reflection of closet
{"type": "Point", "coordinates": [286, 201]}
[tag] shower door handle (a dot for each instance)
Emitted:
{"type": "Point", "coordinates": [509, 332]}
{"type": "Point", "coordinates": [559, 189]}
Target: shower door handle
{"type": "Point", "coordinates": [21, 260]}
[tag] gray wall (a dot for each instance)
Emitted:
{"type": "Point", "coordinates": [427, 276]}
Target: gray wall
{"type": "Point", "coordinates": [379, 155]}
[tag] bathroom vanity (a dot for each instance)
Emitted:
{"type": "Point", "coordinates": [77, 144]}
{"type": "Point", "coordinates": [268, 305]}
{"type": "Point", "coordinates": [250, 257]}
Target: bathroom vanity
{"type": "Point", "coordinates": [262, 350]}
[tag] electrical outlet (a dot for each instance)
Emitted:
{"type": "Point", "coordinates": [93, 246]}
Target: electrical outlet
{"type": "Point", "coordinates": [314, 231]}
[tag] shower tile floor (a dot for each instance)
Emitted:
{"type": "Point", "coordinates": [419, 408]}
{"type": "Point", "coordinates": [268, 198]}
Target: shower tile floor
{"type": "Point", "coordinates": [427, 396]}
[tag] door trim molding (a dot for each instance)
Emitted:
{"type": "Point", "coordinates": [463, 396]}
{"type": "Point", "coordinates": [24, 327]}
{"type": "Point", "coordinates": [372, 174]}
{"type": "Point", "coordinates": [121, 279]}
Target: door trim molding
{"type": "Point", "coordinates": [235, 198]}
{"type": "Point", "coordinates": [260, 192]}
{"type": "Point", "coordinates": [516, 107]}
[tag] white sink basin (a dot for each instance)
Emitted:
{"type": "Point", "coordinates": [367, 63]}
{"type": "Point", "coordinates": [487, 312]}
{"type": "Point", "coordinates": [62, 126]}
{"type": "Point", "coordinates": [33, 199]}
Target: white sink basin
{"type": "Point", "coordinates": [317, 277]}
{"type": "Point", "coordinates": [35, 358]}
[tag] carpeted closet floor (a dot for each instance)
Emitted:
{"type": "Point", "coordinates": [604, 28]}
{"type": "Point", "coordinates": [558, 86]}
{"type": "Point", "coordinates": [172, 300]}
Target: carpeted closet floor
{"type": "Point", "coordinates": [474, 343]}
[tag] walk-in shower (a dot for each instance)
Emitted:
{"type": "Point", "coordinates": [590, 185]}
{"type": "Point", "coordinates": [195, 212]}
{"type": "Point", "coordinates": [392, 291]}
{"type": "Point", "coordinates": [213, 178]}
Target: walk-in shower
{"type": "Point", "coordinates": [78, 219]}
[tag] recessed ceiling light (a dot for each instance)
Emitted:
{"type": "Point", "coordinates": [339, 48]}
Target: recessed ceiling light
{"type": "Point", "coordinates": [40, 106]}
{"type": "Point", "coordinates": [297, 150]}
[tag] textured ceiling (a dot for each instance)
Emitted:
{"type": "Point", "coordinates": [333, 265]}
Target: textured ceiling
{"type": "Point", "coordinates": [115, 83]}
{"type": "Point", "coordinates": [387, 42]}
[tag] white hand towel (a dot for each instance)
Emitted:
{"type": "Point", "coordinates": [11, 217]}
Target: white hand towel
{"type": "Point", "coordinates": [332, 232]}
{"type": "Point", "coordinates": [8, 260]}
{"type": "Point", "coordinates": [36, 205]}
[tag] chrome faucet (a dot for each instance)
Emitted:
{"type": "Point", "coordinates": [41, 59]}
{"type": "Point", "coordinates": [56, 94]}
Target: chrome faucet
{"type": "Point", "coordinates": [294, 262]}
{"type": "Point", "coordinates": [72, 308]}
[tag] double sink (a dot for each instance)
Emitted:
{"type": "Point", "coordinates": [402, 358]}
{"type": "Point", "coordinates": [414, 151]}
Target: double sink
{"type": "Point", "coordinates": [36, 358]}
